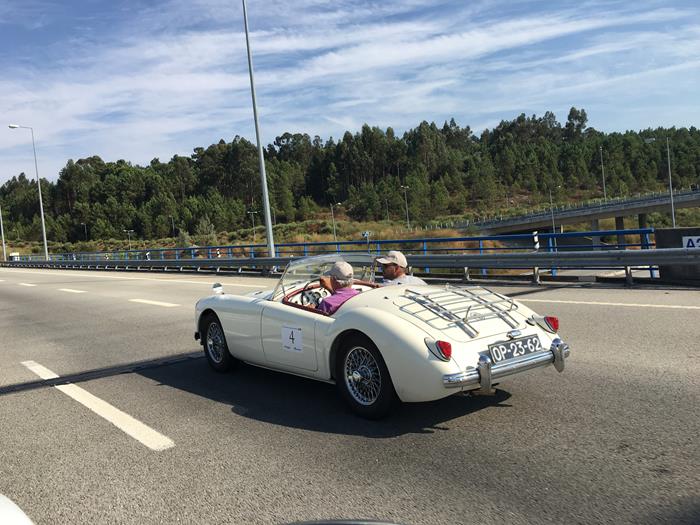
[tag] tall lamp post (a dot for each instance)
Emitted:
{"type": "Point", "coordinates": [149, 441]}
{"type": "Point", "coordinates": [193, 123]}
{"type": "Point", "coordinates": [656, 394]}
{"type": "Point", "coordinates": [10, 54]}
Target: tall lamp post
{"type": "Point", "coordinates": [2, 232]}
{"type": "Point", "coordinates": [405, 196]}
{"type": "Point", "coordinates": [128, 233]}
{"type": "Point", "coordinates": [551, 207]}
{"type": "Point", "coordinates": [252, 216]}
{"type": "Point", "coordinates": [335, 237]}
{"type": "Point", "coordinates": [670, 181]}
{"type": "Point", "coordinates": [41, 202]}
{"type": "Point", "coordinates": [261, 157]}
{"type": "Point", "coordinates": [602, 169]}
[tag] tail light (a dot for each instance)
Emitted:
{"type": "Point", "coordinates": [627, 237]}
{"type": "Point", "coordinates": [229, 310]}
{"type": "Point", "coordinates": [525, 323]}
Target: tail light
{"type": "Point", "coordinates": [552, 322]}
{"type": "Point", "coordinates": [441, 349]}
{"type": "Point", "coordinates": [548, 323]}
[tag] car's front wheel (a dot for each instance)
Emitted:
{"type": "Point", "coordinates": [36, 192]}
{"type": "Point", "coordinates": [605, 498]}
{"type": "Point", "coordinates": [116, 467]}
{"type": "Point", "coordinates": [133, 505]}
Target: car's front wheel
{"type": "Point", "coordinates": [363, 379]}
{"type": "Point", "coordinates": [215, 347]}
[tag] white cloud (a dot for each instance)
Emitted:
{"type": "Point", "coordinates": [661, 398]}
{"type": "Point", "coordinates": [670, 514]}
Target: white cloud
{"type": "Point", "coordinates": [175, 77]}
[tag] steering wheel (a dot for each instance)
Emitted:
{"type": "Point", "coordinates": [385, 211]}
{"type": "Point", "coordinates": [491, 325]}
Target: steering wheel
{"type": "Point", "coordinates": [309, 297]}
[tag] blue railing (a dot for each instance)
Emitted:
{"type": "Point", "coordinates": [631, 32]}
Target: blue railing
{"type": "Point", "coordinates": [438, 245]}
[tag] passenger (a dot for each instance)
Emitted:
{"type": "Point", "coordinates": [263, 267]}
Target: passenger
{"type": "Point", "coordinates": [338, 281]}
{"type": "Point", "coordinates": [394, 266]}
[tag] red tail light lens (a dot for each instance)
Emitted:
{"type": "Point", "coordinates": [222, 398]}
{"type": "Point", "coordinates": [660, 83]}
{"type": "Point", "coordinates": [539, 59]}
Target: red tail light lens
{"type": "Point", "coordinates": [445, 348]}
{"type": "Point", "coordinates": [552, 322]}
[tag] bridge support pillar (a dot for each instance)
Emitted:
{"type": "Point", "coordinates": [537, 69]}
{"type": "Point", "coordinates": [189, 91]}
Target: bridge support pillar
{"type": "Point", "coordinates": [643, 221]}
{"type": "Point", "coordinates": [620, 225]}
{"type": "Point", "coordinates": [595, 240]}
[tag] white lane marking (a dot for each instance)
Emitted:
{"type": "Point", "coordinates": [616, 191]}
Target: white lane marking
{"type": "Point", "coordinates": [26, 284]}
{"type": "Point", "coordinates": [123, 421]}
{"type": "Point", "coordinates": [183, 281]}
{"type": "Point", "coordinates": [70, 290]}
{"type": "Point", "coordinates": [155, 303]}
{"type": "Point", "coordinates": [596, 303]}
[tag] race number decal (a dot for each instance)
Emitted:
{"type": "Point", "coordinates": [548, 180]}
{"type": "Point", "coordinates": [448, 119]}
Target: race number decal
{"type": "Point", "coordinates": [292, 340]}
{"type": "Point", "coordinates": [691, 242]}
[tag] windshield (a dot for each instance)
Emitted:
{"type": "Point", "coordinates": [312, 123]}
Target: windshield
{"type": "Point", "coordinates": [303, 271]}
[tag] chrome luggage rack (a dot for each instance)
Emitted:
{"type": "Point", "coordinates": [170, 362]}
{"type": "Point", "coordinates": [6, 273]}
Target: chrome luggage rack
{"type": "Point", "coordinates": [465, 306]}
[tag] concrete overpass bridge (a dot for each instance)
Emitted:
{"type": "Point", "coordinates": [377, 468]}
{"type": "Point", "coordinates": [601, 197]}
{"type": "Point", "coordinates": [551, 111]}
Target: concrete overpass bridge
{"type": "Point", "coordinates": [593, 213]}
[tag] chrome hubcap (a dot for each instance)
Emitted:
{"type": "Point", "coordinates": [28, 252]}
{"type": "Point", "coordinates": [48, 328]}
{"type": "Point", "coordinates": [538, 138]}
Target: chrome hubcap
{"type": "Point", "coordinates": [362, 375]}
{"type": "Point", "coordinates": [215, 343]}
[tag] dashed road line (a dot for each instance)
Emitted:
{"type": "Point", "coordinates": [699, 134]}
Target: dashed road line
{"type": "Point", "coordinates": [26, 284]}
{"type": "Point", "coordinates": [596, 303]}
{"type": "Point", "coordinates": [123, 421]}
{"type": "Point", "coordinates": [155, 303]}
{"type": "Point", "coordinates": [70, 290]}
{"type": "Point", "coordinates": [182, 281]}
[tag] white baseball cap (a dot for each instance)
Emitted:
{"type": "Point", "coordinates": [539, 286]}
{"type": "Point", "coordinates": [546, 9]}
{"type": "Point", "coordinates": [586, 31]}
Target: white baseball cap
{"type": "Point", "coordinates": [394, 257]}
{"type": "Point", "coordinates": [341, 271]}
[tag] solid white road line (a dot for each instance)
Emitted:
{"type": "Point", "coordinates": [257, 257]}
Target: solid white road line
{"type": "Point", "coordinates": [596, 303]}
{"type": "Point", "coordinates": [26, 284]}
{"type": "Point", "coordinates": [183, 281]}
{"type": "Point", "coordinates": [155, 303]}
{"type": "Point", "coordinates": [124, 422]}
{"type": "Point", "coordinates": [70, 290]}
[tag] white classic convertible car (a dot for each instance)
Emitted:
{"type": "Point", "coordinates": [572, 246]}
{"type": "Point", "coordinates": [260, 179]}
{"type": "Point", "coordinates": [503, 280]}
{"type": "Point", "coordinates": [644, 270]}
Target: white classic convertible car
{"type": "Point", "coordinates": [414, 343]}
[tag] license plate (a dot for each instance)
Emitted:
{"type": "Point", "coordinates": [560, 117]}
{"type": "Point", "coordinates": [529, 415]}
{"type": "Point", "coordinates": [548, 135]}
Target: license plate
{"type": "Point", "coordinates": [514, 348]}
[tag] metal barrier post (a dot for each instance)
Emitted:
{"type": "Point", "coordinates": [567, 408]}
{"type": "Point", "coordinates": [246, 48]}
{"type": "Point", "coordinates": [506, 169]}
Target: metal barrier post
{"type": "Point", "coordinates": [536, 269]}
{"type": "Point", "coordinates": [425, 252]}
{"type": "Point", "coordinates": [550, 244]}
{"type": "Point", "coordinates": [481, 252]}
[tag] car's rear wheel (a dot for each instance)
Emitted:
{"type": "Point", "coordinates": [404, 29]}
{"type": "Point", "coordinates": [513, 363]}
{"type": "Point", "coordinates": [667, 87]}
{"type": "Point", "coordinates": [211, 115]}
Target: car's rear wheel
{"type": "Point", "coordinates": [215, 347]}
{"type": "Point", "coordinates": [363, 379]}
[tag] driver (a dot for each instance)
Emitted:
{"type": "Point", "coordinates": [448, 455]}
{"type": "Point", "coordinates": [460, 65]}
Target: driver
{"type": "Point", "coordinates": [338, 280]}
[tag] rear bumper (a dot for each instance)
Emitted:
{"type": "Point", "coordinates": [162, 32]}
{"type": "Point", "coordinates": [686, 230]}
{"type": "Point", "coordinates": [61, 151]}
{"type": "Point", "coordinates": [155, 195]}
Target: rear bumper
{"type": "Point", "coordinates": [486, 372]}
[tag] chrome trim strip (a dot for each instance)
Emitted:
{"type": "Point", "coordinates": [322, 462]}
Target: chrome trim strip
{"type": "Point", "coordinates": [487, 372]}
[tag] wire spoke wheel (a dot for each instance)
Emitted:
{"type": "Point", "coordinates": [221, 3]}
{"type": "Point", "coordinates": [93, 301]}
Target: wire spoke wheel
{"type": "Point", "coordinates": [362, 375]}
{"type": "Point", "coordinates": [216, 345]}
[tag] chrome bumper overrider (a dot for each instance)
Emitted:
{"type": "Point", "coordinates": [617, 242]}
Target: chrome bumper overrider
{"type": "Point", "coordinates": [486, 372]}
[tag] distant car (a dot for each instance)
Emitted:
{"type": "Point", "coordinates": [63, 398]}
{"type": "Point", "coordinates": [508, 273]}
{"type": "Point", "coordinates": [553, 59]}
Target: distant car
{"type": "Point", "coordinates": [414, 343]}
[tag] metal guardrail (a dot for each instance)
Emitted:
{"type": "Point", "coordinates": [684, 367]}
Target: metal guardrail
{"type": "Point", "coordinates": [580, 259]}
{"type": "Point", "coordinates": [429, 245]}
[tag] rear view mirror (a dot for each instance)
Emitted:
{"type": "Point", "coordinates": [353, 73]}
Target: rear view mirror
{"type": "Point", "coordinates": [217, 289]}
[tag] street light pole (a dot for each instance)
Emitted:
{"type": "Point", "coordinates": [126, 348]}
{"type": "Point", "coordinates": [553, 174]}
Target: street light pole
{"type": "Point", "coordinates": [335, 237]}
{"type": "Point", "coordinates": [602, 169]}
{"type": "Point", "coordinates": [128, 233]}
{"type": "Point", "coordinates": [172, 221]}
{"type": "Point", "coordinates": [405, 196]}
{"type": "Point", "coordinates": [551, 209]}
{"type": "Point", "coordinates": [252, 216]}
{"type": "Point", "coordinates": [85, 228]}
{"type": "Point", "coordinates": [263, 177]}
{"type": "Point", "coordinates": [670, 183]}
{"type": "Point", "coordinates": [2, 232]}
{"type": "Point", "coordinates": [38, 181]}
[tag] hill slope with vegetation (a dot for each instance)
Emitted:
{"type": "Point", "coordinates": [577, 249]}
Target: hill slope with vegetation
{"type": "Point", "coordinates": [450, 172]}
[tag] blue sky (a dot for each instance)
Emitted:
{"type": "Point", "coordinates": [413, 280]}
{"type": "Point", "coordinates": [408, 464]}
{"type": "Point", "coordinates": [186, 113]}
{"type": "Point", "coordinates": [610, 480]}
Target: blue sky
{"type": "Point", "coordinates": [135, 80]}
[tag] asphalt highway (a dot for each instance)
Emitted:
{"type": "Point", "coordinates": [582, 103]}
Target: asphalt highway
{"type": "Point", "coordinates": [613, 439]}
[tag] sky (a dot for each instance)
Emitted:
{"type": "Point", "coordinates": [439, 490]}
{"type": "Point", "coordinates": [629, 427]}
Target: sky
{"type": "Point", "coordinates": [137, 80]}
